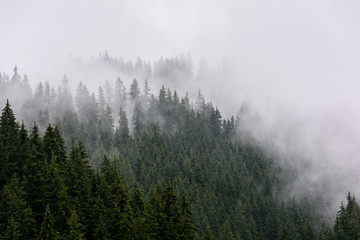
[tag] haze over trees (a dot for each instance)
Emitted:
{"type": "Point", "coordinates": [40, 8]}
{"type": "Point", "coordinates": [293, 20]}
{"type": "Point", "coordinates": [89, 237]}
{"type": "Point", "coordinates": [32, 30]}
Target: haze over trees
{"type": "Point", "coordinates": [129, 163]}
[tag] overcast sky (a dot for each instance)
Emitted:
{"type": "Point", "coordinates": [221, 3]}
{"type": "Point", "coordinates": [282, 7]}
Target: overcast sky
{"type": "Point", "coordinates": [302, 56]}
{"type": "Point", "coordinates": [277, 34]}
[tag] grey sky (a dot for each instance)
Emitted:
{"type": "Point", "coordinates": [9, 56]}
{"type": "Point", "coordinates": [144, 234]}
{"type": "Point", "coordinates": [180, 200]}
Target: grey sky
{"type": "Point", "coordinates": [262, 32]}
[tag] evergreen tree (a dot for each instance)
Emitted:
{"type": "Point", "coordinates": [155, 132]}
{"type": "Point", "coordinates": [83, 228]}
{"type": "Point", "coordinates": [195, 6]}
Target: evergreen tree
{"type": "Point", "coordinates": [79, 182]}
{"type": "Point", "coordinates": [102, 103]}
{"type": "Point", "coordinates": [138, 119]}
{"type": "Point", "coordinates": [106, 126]}
{"type": "Point", "coordinates": [12, 230]}
{"type": "Point", "coordinates": [187, 228]}
{"type": "Point", "coordinates": [53, 144]}
{"type": "Point", "coordinates": [16, 216]}
{"type": "Point", "coordinates": [284, 232]}
{"type": "Point", "coordinates": [139, 226]}
{"type": "Point", "coordinates": [122, 133]}
{"type": "Point", "coordinates": [10, 161]}
{"type": "Point", "coordinates": [347, 224]}
{"type": "Point", "coordinates": [208, 234]}
{"type": "Point", "coordinates": [48, 231]}
{"type": "Point", "coordinates": [134, 90]}
{"type": "Point", "coordinates": [119, 95]}
{"type": "Point", "coordinates": [75, 227]}
{"type": "Point", "coordinates": [226, 232]}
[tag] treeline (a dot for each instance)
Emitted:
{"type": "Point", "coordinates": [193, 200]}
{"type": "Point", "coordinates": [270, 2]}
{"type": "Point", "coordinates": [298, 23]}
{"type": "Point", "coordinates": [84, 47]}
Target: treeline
{"type": "Point", "coordinates": [235, 189]}
{"type": "Point", "coordinates": [49, 194]}
{"type": "Point", "coordinates": [170, 69]}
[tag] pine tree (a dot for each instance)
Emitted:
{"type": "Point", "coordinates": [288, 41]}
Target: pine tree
{"type": "Point", "coordinates": [134, 90]}
{"type": "Point", "coordinates": [208, 234]}
{"type": "Point", "coordinates": [139, 226]}
{"type": "Point", "coordinates": [79, 182]}
{"type": "Point", "coordinates": [15, 79]}
{"type": "Point", "coordinates": [48, 231]}
{"type": "Point", "coordinates": [171, 213]}
{"type": "Point", "coordinates": [226, 232]}
{"type": "Point", "coordinates": [23, 147]}
{"type": "Point", "coordinates": [75, 226]}
{"type": "Point", "coordinates": [10, 161]}
{"type": "Point", "coordinates": [101, 221]}
{"type": "Point", "coordinates": [102, 103]}
{"type": "Point", "coordinates": [106, 126]}
{"type": "Point", "coordinates": [13, 230]}
{"type": "Point", "coordinates": [138, 119]}
{"type": "Point", "coordinates": [53, 145]}
{"type": "Point", "coordinates": [154, 209]}
{"type": "Point", "coordinates": [122, 134]}
{"type": "Point", "coordinates": [284, 232]}
{"type": "Point", "coordinates": [146, 93]}
{"type": "Point", "coordinates": [34, 172]}
{"type": "Point", "coordinates": [347, 223]}
{"type": "Point", "coordinates": [187, 228]}
{"type": "Point", "coordinates": [119, 95]}
{"type": "Point", "coordinates": [16, 212]}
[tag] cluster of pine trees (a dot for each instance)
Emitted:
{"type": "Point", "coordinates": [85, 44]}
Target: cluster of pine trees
{"type": "Point", "coordinates": [234, 189]}
{"type": "Point", "coordinates": [49, 194]}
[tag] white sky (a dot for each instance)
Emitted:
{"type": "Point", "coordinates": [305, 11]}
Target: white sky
{"type": "Point", "coordinates": [263, 32]}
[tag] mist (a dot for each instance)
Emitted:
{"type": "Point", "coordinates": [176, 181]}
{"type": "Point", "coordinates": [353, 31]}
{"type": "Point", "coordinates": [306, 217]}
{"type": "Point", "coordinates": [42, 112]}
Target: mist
{"type": "Point", "coordinates": [295, 64]}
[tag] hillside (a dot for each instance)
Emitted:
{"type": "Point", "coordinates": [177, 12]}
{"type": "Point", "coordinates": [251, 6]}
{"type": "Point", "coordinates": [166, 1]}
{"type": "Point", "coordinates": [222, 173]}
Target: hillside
{"type": "Point", "coordinates": [129, 164]}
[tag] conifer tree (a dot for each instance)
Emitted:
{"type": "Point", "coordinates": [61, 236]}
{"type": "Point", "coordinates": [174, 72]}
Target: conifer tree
{"type": "Point", "coordinates": [284, 232]}
{"type": "Point", "coordinates": [226, 233]}
{"type": "Point", "coordinates": [138, 119]}
{"type": "Point", "coordinates": [48, 231]}
{"type": "Point", "coordinates": [187, 228]}
{"type": "Point", "coordinates": [347, 224]}
{"type": "Point", "coordinates": [79, 182]}
{"type": "Point", "coordinates": [12, 230]}
{"type": "Point", "coordinates": [139, 226]}
{"type": "Point", "coordinates": [16, 214]}
{"type": "Point", "coordinates": [10, 161]}
{"type": "Point", "coordinates": [75, 226]}
{"type": "Point", "coordinates": [119, 95]}
{"type": "Point", "coordinates": [100, 226]}
{"type": "Point", "coordinates": [208, 234]}
{"type": "Point", "coordinates": [155, 213]}
{"type": "Point", "coordinates": [122, 134]}
{"type": "Point", "coordinates": [134, 90]}
{"type": "Point", "coordinates": [171, 213]}
{"type": "Point", "coordinates": [34, 172]}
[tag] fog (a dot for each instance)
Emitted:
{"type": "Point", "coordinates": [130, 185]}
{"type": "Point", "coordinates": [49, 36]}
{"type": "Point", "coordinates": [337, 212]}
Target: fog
{"type": "Point", "coordinates": [295, 63]}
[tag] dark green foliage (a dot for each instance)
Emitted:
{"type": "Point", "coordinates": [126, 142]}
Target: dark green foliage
{"type": "Point", "coordinates": [75, 227]}
{"type": "Point", "coordinates": [53, 144]}
{"type": "Point", "coordinates": [347, 224]}
{"type": "Point", "coordinates": [187, 227]}
{"type": "Point", "coordinates": [208, 234]}
{"type": "Point", "coordinates": [284, 232]}
{"type": "Point", "coordinates": [10, 158]}
{"type": "Point", "coordinates": [60, 197]}
{"type": "Point", "coordinates": [48, 230]}
{"type": "Point", "coordinates": [232, 189]}
{"type": "Point", "coordinates": [16, 216]}
{"type": "Point", "coordinates": [226, 233]}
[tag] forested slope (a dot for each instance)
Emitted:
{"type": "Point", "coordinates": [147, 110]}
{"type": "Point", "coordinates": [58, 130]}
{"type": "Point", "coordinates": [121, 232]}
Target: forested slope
{"type": "Point", "coordinates": [134, 165]}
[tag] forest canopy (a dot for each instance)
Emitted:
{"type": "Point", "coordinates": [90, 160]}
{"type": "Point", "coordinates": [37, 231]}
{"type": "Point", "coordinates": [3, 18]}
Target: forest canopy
{"type": "Point", "coordinates": [127, 164]}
